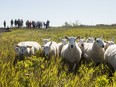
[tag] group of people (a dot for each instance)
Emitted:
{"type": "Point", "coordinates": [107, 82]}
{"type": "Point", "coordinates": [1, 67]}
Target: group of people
{"type": "Point", "coordinates": [29, 24]}
{"type": "Point", "coordinates": [37, 24]}
{"type": "Point", "coordinates": [16, 23]}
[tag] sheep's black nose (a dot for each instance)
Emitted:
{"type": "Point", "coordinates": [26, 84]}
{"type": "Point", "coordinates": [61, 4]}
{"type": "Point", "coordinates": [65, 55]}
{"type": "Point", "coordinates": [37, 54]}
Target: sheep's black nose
{"type": "Point", "coordinates": [71, 46]}
{"type": "Point", "coordinates": [21, 54]}
{"type": "Point", "coordinates": [102, 46]}
{"type": "Point", "coordinates": [82, 45]}
{"type": "Point", "coordinates": [47, 54]}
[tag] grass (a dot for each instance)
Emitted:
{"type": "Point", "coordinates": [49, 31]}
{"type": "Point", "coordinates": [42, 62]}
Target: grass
{"type": "Point", "coordinates": [34, 71]}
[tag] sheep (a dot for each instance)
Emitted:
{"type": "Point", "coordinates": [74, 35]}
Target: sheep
{"type": "Point", "coordinates": [27, 48]}
{"type": "Point", "coordinates": [71, 53]}
{"type": "Point", "coordinates": [84, 47]}
{"type": "Point", "coordinates": [50, 49]}
{"type": "Point", "coordinates": [61, 44]}
{"type": "Point", "coordinates": [96, 51]}
{"type": "Point", "coordinates": [45, 41]}
{"type": "Point", "coordinates": [110, 57]}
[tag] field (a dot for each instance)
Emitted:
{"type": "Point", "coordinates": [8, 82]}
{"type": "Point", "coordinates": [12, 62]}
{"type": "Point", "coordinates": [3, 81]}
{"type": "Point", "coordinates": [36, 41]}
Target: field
{"type": "Point", "coordinates": [35, 72]}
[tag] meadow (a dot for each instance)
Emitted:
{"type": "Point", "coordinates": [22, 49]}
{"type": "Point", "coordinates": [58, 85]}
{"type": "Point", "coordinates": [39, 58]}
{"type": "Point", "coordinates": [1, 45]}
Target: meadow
{"type": "Point", "coordinates": [34, 71]}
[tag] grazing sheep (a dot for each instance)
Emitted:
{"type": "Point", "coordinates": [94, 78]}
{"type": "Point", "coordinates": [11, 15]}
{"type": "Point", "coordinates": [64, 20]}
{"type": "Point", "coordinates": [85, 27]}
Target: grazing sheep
{"type": "Point", "coordinates": [45, 41]}
{"type": "Point", "coordinates": [60, 45]}
{"type": "Point", "coordinates": [27, 48]}
{"type": "Point", "coordinates": [50, 49]}
{"type": "Point", "coordinates": [71, 53]}
{"type": "Point", "coordinates": [110, 57]}
{"type": "Point", "coordinates": [96, 51]}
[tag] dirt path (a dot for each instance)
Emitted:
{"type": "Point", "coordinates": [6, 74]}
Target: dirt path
{"type": "Point", "coordinates": [3, 30]}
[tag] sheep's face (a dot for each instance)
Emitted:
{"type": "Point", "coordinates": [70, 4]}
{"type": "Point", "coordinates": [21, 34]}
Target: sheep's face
{"type": "Point", "coordinates": [64, 41]}
{"type": "Point", "coordinates": [100, 42]}
{"type": "Point", "coordinates": [81, 42]}
{"type": "Point", "coordinates": [110, 43]}
{"type": "Point", "coordinates": [47, 51]}
{"type": "Point", "coordinates": [71, 41]}
{"type": "Point", "coordinates": [22, 50]}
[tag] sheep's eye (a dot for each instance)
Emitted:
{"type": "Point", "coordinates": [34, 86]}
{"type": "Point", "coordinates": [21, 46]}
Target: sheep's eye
{"type": "Point", "coordinates": [97, 41]}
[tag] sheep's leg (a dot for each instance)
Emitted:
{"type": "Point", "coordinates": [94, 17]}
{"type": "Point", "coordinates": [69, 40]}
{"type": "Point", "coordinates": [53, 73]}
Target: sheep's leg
{"type": "Point", "coordinates": [15, 60]}
{"type": "Point", "coordinates": [111, 71]}
{"type": "Point", "coordinates": [62, 62]}
{"type": "Point", "coordinates": [74, 66]}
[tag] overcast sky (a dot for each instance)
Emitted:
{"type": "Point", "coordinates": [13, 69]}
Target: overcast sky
{"type": "Point", "coordinates": [59, 11]}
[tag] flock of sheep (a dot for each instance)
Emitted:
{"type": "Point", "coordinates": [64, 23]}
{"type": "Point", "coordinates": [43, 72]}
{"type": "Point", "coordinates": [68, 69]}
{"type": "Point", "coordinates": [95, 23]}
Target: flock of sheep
{"type": "Point", "coordinates": [72, 50]}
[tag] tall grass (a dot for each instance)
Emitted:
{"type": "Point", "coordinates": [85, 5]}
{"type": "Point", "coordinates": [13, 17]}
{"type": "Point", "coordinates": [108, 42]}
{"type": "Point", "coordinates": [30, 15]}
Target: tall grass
{"type": "Point", "coordinates": [34, 71]}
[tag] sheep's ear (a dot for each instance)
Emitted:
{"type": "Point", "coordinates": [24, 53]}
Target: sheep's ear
{"type": "Point", "coordinates": [42, 46]}
{"type": "Point", "coordinates": [84, 39]}
{"type": "Point", "coordinates": [113, 39]}
{"type": "Point", "coordinates": [60, 38]}
{"type": "Point", "coordinates": [78, 37]}
{"type": "Point", "coordinates": [106, 41]}
{"type": "Point", "coordinates": [50, 44]}
{"type": "Point", "coordinates": [16, 45]}
{"type": "Point", "coordinates": [95, 38]}
{"type": "Point", "coordinates": [66, 37]}
{"type": "Point", "coordinates": [101, 37]}
{"type": "Point", "coordinates": [42, 39]}
{"type": "Point", "coordinates": [29, 47]}
{"type": "Point", "coordinates": [49, 38]}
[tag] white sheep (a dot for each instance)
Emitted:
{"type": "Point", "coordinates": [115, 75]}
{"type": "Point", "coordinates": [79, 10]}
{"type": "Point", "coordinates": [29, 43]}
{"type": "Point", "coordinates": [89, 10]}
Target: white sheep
{"type": "Point", "coordinates": [27, 48]}
{"type": "Point", "coordinates": [71, 52]}
{"type": "Point", "coordinates": [96, 51]}
{"type": "Point", "coordinates": [110, 57]}
{"type": "Point", "coordinates": [61, 44]}
{"type": "Point", "coordinates": [50, 49]}
{"type": "Point", "coordinates": [84, 47]}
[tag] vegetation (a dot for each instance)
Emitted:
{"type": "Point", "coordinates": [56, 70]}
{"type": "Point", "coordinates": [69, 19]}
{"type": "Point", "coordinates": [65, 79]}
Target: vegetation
{"type": "Point", "coordinates": [34, 71]}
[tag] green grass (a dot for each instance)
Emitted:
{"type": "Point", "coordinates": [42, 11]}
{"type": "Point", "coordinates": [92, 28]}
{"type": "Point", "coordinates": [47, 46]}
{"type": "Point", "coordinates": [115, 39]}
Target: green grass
{"type": "Point", "coordinates": [35, 72]}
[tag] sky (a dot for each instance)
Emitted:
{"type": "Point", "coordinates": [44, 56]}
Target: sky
{"type": "Point", "coordinates": [88, 12]}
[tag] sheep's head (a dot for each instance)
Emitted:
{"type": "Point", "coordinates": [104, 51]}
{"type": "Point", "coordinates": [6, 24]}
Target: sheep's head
{"type": "Point", "coordinates": [46, 50]}
{"type": "Point", "coordinates": [108, 43]}
{"type": "Point", "coordinates": [99, 42]}
{"type": "Point", "coordinates": [64, 41]}
{"type": "Point", "coordinates": [71, 41]}
{"type": "Point", "coordinates": [81, 42]}
{"type": "Point", "coordinates": [22, 50]}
